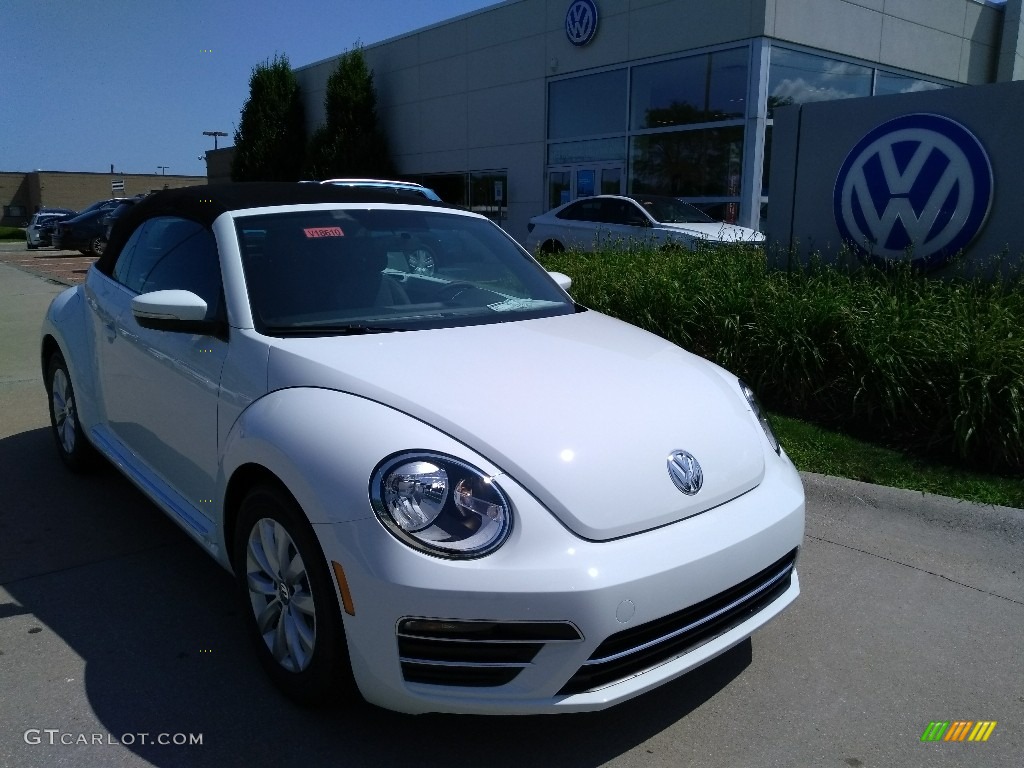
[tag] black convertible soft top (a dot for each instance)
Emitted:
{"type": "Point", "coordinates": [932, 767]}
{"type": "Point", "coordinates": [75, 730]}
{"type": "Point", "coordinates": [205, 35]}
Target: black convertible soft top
{"type": "Point", "coordinates": [205, 203]}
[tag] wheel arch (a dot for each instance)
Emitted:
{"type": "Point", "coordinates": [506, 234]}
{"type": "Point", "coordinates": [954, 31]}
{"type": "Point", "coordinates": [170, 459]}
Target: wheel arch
{"type": "Point", "coordinates": [66, 330]}
{"type": "Point", "coordinates": [243, 479]}
{"type": "Point", "coordinates": [47, 348]}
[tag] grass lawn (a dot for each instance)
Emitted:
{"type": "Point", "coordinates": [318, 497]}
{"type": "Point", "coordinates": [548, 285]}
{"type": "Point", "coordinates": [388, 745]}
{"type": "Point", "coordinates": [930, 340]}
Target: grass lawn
{"type": "Point", "coordinates": [814, 449]}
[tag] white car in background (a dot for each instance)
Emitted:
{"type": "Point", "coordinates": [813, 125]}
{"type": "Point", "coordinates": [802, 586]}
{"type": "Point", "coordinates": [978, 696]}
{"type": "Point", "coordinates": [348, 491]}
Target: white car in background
{"type": "Point", "coordinates": [407, 187]}
{"type": "Point", "coordinates": [39, 231]}
{"type": "Point", "coordinates": [456, 492]}
{"type": "Point", "coordinates": [610, 221]}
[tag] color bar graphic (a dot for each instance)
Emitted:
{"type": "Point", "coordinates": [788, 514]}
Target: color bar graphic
{"type": "Point", "coordinates": [958, 730]}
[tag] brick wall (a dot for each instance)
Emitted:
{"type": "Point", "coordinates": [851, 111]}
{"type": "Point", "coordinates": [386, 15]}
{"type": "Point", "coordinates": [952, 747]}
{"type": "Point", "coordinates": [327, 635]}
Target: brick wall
{"type": "Point", "coordinates": [15, 199]}
{"type": "Point", "coordinates": [56, 189]}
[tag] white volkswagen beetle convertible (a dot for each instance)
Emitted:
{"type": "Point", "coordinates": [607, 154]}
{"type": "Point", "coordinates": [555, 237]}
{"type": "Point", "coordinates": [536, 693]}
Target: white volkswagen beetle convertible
{"type": "Point", "coordinates": [456, 492]}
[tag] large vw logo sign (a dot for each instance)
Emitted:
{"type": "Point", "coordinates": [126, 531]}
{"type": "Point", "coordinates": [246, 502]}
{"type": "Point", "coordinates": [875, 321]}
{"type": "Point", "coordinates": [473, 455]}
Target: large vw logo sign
{"type": "Point", "coordinates": [920, 184]}
{"type": "Point", "coordinates": [581, 22]}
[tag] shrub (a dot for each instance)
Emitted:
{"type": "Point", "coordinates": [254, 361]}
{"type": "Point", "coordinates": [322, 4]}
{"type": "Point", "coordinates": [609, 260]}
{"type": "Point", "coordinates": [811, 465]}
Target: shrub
{"type": "Point", "coordinates": [930, 365]}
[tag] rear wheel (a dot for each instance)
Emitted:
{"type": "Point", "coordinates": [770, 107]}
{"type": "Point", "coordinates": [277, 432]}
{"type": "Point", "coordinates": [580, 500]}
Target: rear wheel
{"type": "Point", "coordinates": [97, 246]}
{"type": "Point", "coordinates": [293, 614]}
{"type": "Point", "coordinates": [74, 449]}
{"type": "Point", "coordinates": [551, 246]}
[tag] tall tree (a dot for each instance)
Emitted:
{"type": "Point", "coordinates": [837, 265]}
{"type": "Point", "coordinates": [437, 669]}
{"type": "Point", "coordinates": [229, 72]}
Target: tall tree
{"type": "Point", "coordinates": [270, 141]}
{"type": "Point", "coordinates": [351, 142]}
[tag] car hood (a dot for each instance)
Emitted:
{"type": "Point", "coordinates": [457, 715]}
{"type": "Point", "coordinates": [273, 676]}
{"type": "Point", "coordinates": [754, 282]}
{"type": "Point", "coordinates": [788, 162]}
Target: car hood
{"type": "Point", "coordinates": [716, 230]}
{"type": "Point", "coordinates": [582, 410]}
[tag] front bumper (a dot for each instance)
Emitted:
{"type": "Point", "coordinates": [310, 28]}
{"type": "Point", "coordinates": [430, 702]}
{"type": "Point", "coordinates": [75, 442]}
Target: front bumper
{"type": "Point", "coordinates": [571, 625]}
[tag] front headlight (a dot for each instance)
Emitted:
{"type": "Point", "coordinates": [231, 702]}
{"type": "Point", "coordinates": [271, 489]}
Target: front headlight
{"type": "Point", "coordinates": [762, 417]}
{"type": "Point", "coordinates": [440, 505]}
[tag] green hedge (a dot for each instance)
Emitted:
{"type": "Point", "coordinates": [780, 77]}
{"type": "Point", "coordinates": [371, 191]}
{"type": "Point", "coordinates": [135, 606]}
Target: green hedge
{"type": "Point", "coordinates": [12, 233]}
{"type": "Point", "coordinates": [934, 366]}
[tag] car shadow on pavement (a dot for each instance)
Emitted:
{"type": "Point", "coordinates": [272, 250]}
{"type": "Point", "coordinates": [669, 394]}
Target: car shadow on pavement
{"type": "Point", "coordinates": [158, 626]}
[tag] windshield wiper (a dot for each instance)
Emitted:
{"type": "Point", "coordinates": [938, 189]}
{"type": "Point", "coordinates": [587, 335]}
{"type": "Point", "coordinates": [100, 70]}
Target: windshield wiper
{"type": "Point", "coordinates": [346, 329]}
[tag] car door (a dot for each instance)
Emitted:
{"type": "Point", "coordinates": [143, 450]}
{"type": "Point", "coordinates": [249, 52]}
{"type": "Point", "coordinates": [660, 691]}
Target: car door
{"type": "Point", "coordinates": [580, 224]}
{"type": "Point", "coordinates": [623, 223]}
{"type": "Point", "coordinates": [161, 388]}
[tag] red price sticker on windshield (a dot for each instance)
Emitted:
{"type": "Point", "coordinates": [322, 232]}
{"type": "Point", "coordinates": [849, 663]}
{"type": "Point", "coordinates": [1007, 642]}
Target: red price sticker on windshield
{"type": "Point", "coordinates": [324, 232]}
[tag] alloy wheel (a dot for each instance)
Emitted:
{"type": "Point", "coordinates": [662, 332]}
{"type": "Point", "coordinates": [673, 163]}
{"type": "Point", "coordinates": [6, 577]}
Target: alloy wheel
{"type": "Point", "coordinates": [280, 595]}
{"type": "Point", "coordinates": [64, 416]}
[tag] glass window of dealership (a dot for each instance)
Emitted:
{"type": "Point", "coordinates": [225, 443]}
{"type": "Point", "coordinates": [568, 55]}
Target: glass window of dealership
{"type": "Point", "coordinates": [697, 125]}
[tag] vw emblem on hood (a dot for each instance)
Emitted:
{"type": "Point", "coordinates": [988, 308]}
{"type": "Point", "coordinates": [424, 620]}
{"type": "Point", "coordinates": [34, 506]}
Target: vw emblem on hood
{"type": "Point", "coordinates": [685, 472]}
{"type": "Point", "coordinates": [921, 182]}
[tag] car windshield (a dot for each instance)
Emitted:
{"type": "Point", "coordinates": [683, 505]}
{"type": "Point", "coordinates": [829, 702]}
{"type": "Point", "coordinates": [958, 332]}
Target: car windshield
{"type": "Point", "coordinates": [669, 210]}
{"type": "Point", "coordinates": [346, 270]}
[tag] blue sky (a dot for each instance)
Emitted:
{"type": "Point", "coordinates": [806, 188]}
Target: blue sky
{"type": "Point", "coordinates": [135, 83]}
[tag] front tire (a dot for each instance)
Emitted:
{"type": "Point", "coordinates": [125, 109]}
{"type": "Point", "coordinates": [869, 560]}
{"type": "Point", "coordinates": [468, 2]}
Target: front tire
{"type": "Point", "coordinates": [97, 246]}
{"type": "Point", "coordinates": [72, 446]}
{"type": "Point", "coordinates": [293, 615]}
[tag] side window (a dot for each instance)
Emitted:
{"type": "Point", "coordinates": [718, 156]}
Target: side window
{"type": "Point", "coordinates": [169, 253]}
{"type": "Point", "coordinates": [629, 214]}
{"type": "Point", "coordinates": [124, 259]}
{"type": "Point", "coordinates": [584, 210]}
{"type": "Point", "coordinates": [613, 212]}
{"type": "Point", "coordinates": [572, 213]}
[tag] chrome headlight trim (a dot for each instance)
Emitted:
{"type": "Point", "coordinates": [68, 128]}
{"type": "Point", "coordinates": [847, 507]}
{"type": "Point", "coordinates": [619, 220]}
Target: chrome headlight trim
{"type": "Point", "coordinates": [440, 505]}
{"type": "Point", "coordinates": [762, 416]}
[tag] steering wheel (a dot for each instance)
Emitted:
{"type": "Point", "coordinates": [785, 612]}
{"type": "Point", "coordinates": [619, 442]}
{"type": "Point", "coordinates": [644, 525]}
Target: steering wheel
{"type": "Point", "coordinates": [451, 291]}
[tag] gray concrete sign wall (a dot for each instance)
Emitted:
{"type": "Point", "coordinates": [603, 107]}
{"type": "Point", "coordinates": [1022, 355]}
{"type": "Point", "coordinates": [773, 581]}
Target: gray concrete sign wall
{"type": "Point", "coordinates": [917, 175]}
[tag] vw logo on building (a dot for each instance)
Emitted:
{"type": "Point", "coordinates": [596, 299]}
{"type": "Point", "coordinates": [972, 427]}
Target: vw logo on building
{"type": "Point", "coordinates": [920, 185]}
{"type": "Point", "coordinates": [581, 22]}
{"type": "Point", "coordinates": [685, 472]}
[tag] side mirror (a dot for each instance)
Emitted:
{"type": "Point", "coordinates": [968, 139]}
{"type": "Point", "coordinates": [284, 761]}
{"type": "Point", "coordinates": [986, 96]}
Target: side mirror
{"type": "Point", "coordinates": [175, 310]}
{"type": "Point", "coordinates": [564, 281]}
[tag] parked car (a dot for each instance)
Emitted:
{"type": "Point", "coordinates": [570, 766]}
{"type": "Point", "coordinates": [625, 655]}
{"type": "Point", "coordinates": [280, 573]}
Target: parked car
{"type": "Point", "coordinates": [400, 187]}
{"type": "Point", "coordinates": [604, 221]}
{"type": "Point", "coordinates": [459, 492]}
{"type": "Point", "coordinates": [39, 232]}
{"type": "Point", "coordinates": [113, 214]}
{"type": "Point", "coordinates": [86, 232]}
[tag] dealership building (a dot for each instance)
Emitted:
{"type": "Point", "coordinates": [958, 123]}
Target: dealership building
{"type": "Point", "coordinates": [526, 104]}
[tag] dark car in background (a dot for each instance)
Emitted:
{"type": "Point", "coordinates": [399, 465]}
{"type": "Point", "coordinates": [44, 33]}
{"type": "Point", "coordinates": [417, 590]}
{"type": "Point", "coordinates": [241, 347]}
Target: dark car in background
{"type": "Point", "coordinates": [118, 211]}
{"type": "Point", "coordinates": [86, 232]}
{"type": "Point", "coordinates": [39, 232]}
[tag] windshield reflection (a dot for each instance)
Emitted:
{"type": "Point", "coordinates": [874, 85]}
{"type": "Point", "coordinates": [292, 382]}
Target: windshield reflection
{"type": "Point", "coordinates": [347, 270]}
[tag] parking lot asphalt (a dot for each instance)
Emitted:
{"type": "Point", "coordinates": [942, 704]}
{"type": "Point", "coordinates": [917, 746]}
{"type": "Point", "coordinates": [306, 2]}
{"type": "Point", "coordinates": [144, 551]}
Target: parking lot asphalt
{"type": "Point", "coordinates": [64, 267]}
{"type": "Point", "coordinates": [117, 632]}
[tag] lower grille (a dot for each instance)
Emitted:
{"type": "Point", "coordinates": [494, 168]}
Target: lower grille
{"type": "Point", "coordinates": [638, 649]}
{"type": "Point", "coordinates": [473, 653]}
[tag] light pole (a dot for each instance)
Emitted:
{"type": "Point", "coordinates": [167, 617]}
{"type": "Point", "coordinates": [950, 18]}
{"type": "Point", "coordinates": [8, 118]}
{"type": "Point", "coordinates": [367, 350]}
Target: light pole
{"type": "Point", "coordinates": [215, 134]}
